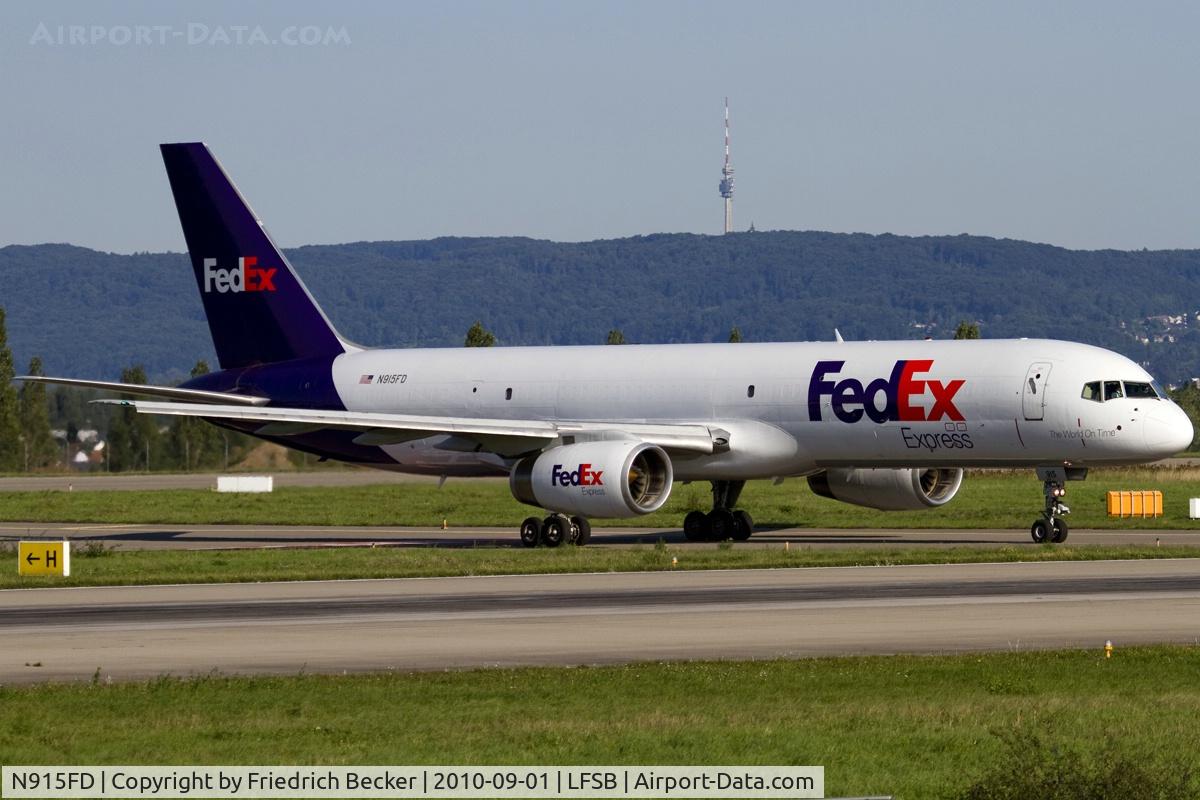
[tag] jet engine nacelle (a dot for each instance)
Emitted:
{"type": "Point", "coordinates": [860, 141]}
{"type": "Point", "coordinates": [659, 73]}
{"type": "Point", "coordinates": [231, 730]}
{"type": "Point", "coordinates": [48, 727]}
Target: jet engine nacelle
{"type": "Point", "coordinates": [595, 479]}
{"type": "Point", "coordinates": [889, 489]}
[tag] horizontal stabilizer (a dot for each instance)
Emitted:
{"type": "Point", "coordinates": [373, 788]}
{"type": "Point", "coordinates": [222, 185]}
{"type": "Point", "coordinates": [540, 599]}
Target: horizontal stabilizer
{"type": "Point", "coordinates": [143, 390]}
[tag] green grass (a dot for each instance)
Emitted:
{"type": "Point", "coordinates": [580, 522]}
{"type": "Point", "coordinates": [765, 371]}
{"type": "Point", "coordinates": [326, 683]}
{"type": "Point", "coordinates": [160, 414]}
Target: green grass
{"type": "Point", "coordinates": [916, 726]}
{"type": "Point", "coordinates": [98, 566]}
{"type": "Point", "coordinates": [1004, 500]}
{"type": "Point", "coordinates": [987, 500]}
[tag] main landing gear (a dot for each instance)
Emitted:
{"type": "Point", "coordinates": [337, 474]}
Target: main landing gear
{"type": "Point", "coordinates": [554, 530]}
{"type": "Point", "coordinates": [1050, 526]}
{"type": "Point", "coordinates": [724, 521]}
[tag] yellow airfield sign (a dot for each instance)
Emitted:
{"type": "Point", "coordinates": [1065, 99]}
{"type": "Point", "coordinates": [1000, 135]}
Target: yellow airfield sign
{"type": "Point", "coordinates": [44, 558]}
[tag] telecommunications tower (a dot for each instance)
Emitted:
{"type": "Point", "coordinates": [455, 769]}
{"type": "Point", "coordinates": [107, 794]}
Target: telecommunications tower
{"type": "Point", "coordinates": [727, 177]}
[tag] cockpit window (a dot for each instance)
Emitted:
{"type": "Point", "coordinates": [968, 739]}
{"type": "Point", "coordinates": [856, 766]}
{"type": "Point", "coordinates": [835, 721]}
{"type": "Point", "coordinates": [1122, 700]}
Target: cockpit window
{"type": "Point", "coordinates": [1115, 389]}
{"type": "Point", "coordinates": [1139, 391]}
{"type": "Point", "coordinates": [1160, 391]}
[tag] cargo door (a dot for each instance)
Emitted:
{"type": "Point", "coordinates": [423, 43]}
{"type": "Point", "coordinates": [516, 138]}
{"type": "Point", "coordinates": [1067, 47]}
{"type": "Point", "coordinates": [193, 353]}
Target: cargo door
{"type": "Point", "coordinates": [1033, 398]}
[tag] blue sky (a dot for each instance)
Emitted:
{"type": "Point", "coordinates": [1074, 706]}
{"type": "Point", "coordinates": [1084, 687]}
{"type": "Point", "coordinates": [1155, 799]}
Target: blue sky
{"type": "Point", "coordinates": [1066, 123]}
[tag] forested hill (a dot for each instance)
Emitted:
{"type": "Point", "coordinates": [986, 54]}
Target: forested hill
{"type": "Point", "coordinates": [89, 313]}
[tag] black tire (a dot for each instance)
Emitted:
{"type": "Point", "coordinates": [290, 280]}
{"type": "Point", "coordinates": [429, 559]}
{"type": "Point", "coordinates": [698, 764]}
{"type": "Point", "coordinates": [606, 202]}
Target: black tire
{"type": "Point", "coordinates": [743, 525]}
{"type": "Point", "coordinates": [1060, 531]}
{"type": "Point", "coordinates": [531, 532]}
{"type": "Point", "coordinates": [555, 531]}
{"type": "Point", "coordinates": [584, 531]}
{"type": "Point", "coordinates": [721, 524]}
{"type": "Point", "coordinates": [695, 526]}
{"type": "Point", "coordinates": [1040, 531]}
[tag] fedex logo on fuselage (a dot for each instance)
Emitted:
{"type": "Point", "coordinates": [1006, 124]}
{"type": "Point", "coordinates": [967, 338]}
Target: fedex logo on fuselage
{"type": "Point", "coordinates": [584, 476]}
{"type": "Point", "coordinates": [850, 399]}
{"type": "Point", "coordinates": [247, 276]}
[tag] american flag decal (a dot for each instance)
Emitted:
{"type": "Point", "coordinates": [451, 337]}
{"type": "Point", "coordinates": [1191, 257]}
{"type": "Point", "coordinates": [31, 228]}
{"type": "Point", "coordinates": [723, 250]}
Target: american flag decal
{"type": "Point", "coordinates": [366, 379]}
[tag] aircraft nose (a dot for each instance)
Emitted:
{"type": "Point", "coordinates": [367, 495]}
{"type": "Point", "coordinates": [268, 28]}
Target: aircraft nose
{"type": "Point", "coordinates": [1168, 430]}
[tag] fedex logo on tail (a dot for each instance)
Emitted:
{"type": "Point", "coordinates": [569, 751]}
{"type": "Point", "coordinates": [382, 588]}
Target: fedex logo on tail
{"type": "Point", "coordinates": [900, 392]}
{"type": "Point", "coordinates": [247, 276]}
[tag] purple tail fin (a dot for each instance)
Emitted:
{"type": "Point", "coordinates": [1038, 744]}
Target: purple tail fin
{"type": "Point", "coordinates": [258, 310]}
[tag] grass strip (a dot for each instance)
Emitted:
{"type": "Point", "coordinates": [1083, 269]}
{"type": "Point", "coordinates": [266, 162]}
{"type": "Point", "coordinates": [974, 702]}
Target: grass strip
{"type": "Point", "coordinates": [987, 500]}
{"type": "Point", "coordinates": [98, 566]}
{"type": "Point", "coordinates": [916, 726]}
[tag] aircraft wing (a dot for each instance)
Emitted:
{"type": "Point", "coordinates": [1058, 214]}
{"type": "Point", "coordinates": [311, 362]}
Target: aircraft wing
{"type": "Point", "coordinates": [506, 437]}
{"type": "Point", "coordinates": [144, 390]}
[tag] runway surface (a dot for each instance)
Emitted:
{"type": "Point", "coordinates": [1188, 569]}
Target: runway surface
{"type": "Point", "coordinates": [336, 626]}
{"type": "Point", "coordinates": [200, 537]}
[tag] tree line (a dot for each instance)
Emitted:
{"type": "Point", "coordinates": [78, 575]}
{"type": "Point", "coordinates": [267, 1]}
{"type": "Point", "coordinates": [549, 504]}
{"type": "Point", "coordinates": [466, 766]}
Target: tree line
{"type": "Point", "coordinates": [479, 336]}
{"type": "Point", "coordinates": [26, 443]}
{"type": "Point", "coordinates": [776, 286]}
{"type": "Point", "coordinates": [131, 441]}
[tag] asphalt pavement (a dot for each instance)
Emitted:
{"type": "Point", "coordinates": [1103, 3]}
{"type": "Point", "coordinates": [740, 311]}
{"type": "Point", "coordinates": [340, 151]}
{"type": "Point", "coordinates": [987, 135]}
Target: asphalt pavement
{"type": "Point", "coordinates": [438, 623]}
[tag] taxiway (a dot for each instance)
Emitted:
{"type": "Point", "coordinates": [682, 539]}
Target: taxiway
{"type": "Point", "coordinates": [197, 537]}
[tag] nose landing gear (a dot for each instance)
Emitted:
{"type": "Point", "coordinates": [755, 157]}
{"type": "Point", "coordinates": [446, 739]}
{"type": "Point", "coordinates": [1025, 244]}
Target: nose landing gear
{"type": "Point", "coordinates": [1050, 526]}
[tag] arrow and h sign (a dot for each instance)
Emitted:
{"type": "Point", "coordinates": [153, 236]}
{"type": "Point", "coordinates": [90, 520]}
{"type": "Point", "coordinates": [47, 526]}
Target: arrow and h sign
{"type": "Point", "coordinates": [44, 558]}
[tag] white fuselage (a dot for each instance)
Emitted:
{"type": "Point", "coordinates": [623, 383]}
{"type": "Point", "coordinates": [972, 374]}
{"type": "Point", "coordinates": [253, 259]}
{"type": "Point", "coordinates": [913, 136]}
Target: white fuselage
{"type": "Point", "coordinates": [789, 408]}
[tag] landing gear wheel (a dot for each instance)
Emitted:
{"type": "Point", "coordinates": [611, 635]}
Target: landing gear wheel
{"type": "Point", "coordinates": [555, 531]}
{"type": "Point", "coordinates": [695, 526]}
{"type": "Point", "coordinates": [583, 531]}
{"type": "Point", "coordinates": [1051, 527]}
{"type": "Point", "coordinates": [721, 524]}
{"type": "Point", "coordinates": [531, 531]}
{"type": "Point", "coordinates": [743, 525]}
